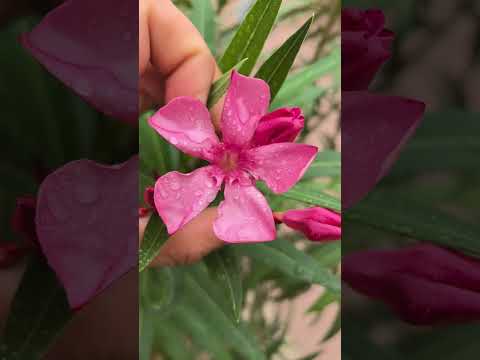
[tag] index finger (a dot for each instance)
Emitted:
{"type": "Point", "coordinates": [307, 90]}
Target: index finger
{"type": "Point", "coordinates": [176, 49]}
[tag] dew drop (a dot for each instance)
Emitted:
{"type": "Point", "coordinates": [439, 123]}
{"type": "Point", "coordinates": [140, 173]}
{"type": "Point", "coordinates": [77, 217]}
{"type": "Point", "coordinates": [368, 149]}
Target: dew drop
{"type": "Point", "coordinates": [174, 140]}
{"type": "Point", "coordinates": [199, 193]}
{"type": "Point", "coordinates": [175, 185]}
{"type": "Point", "coordinates": [163, 194]}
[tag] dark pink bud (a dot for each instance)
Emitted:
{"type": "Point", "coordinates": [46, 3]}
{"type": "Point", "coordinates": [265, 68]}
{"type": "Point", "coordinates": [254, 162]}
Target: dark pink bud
{"type": "Point", "coordinates": [148, 197]}
{"type": "Point", "coordinates": [423, 284]}
{"type": "Point", "coordinates": [318, 224]}
{"type": "Point", "coordinates": [365, 47]}
{"type": "Point", "coordinates": [282, 125]}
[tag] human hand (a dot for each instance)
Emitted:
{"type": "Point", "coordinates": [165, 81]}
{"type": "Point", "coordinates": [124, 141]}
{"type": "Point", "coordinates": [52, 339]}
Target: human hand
{"type": "Point", "coordinates": [175, 61]}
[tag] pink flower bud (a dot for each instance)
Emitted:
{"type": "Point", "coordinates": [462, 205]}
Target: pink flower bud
{"type": "Point", "coordinates": [282, 125]}
{"type": "Point", "coordinates": [365, 47]}
{"type": "Point", "coordinates": [318, 224]}
{"type": "Point", "coordinates": [423, 284]}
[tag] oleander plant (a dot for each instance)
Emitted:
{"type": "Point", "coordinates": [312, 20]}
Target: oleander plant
{"type": "Point", "coordinates": [229, 305]}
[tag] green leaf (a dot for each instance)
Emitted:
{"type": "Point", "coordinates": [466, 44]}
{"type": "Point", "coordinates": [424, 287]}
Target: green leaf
{"type": "Point", "coordinates": [145, 333]}
{"type": "Point", "coordinates": [436, 134]}
{"type": "Point", "coordinates": [327, 163]}
{"type": "Point", "coordinates": [275, 70]}
{"type": "Point", "coordinates": [306, 193]}
{"type": "Point", "coordinates": [251, 36]}
{"type": "Point", "coordinates": [200, 329]}
{"type": "Point", "coordinates": [408, 217]}
{"type": "Point", "coordinates": [224, 267]}
{"type": "Point", "coordinates": [219, 87]}
{"type": "Point", "coordinates": [328, 254]}
{"type": "Point", "coordinates": [295, 84]}
{"type": "Point", "coordinates": [323, 301]}
{"type": "Point", "coordinates": [231, 333]}
{"type": "Point", "coordinates": [152, 150]}
{"type": "Point", "coordinates": [39, 312]}
{"type": "Point", "coordinates": [285, 257]}
{"type": "Point", "coordinates": [202, 16]}
{"type": "Point", "coordinates": [158, 289]}
{"type": "Point", "coordinates": [153, 239]}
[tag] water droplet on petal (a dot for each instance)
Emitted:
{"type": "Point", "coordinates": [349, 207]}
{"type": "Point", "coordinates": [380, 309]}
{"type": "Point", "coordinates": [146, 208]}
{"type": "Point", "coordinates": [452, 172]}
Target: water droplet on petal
{"type": "Point", "coordinates": [175, 185]}
{"type": "Point", "coordinates": [174, 140]}
{"type": "Point", "coordinates": [163, 194]}
{"type": "Point", "coordinates": [199, 193]}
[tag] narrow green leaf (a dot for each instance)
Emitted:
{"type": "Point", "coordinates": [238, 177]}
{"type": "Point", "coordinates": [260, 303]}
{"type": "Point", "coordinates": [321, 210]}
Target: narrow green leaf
{"type": "Point", "coordinates": [285, 257]}
{"type": "Point", "coordinates": [159, 287]}
{"type": "Point", "coordinates": [154, 237]}
{"type": "Point", "coordinates": [145, 334]}
{"type": "Point", "coordinates": [275, 70]}
{"type": "Point", "coordinates": [251, 36]}
{"type": "Point", "coordinates": [202, 16]}
{"type": "Point", "coordinates": [306, 193]}
{"type": "Point", "coordinates": [200, 331]}
{"type": "Point", "coordinates": [323, 301]}
{"type": "Point", "coordinates": [410, 218]}
{"type": "Point", "coordinates": [327, 163]}
{"type": "Point", "coordinates": [328, 254]}
{"type": "Point", "coordinates": [232, 333]}
{"type": "Point", "coordinates": [38, 314]}
{"type": "Point", "coordinates": [219, 87]}
{"type": "Point", "coordinates": [224, 267]}
{"type": "Point", "coordinates": [152, 152]}
{"type": "Point", "coordinates": [299, 81]}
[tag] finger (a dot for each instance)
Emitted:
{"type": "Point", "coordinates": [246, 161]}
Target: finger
{"type": "Point", "coordinates": [178, 51]}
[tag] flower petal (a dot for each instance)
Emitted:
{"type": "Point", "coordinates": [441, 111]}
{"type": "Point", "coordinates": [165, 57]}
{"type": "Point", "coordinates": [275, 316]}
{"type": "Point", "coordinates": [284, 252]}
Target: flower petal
{"type": "Point", "coordinates": [244, 216]}
{"type": "Point", "coordinates": [185, 123]}
{"type": "Point", "coordinates": [280, 165]}
{"type": "Point", "coordinates": [86, 225]}
{"type": "Point", "coordinates": [180, 197]}
{"type": "Point", "coordinates": [246, 102]}
{"type": "Point", "coordinates": [94, 57]}
{"type": "Point", "coordinates": [374, 129]}
{"type": "Point", "coordinates": [282, 125]}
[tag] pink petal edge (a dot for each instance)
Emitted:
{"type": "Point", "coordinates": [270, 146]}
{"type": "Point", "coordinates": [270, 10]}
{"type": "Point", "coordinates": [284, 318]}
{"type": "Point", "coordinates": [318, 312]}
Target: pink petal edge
{"type": "Point", "coordinates": [244, 216]}
{"type": "Point", "coordinates": [281, 165]}
{"type": "Point", "coordinates": [180, 197]}
{"type": "Point", "coordinates": [185, 123]}
{"type": "Point", "coordinates": [247, 100]}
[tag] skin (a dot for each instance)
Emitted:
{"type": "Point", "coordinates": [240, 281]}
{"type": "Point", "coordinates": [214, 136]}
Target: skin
{"type": "Point", "coordinates": [175, 61]}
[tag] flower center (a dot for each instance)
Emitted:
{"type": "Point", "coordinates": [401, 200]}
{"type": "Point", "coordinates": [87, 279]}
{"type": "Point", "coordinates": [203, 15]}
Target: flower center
{"type": "Point", "coordinates": [229, 161]}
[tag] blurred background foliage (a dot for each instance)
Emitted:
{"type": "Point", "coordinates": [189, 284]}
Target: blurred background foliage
{"type": "Point", "coordinates": [237, 303]}
{"type": "Point", "coordinates": [435, 60]}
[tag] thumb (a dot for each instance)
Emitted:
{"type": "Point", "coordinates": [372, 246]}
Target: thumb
{"type": "Point", "coordinates": [190, 244]}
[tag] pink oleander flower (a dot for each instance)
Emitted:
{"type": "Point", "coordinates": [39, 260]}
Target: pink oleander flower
{"type": "Point", "coordinates": [238, 161]}
{"type": "Point", "coordinates": [318, 224]}
{"type": "Point", "coordinates": [424, 284]}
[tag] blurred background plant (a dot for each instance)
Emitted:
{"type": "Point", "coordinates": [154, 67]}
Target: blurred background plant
{"type": "Point", "coordinates": [435, 60]}
{"type": "Point", "coordinates": [240, 302]}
